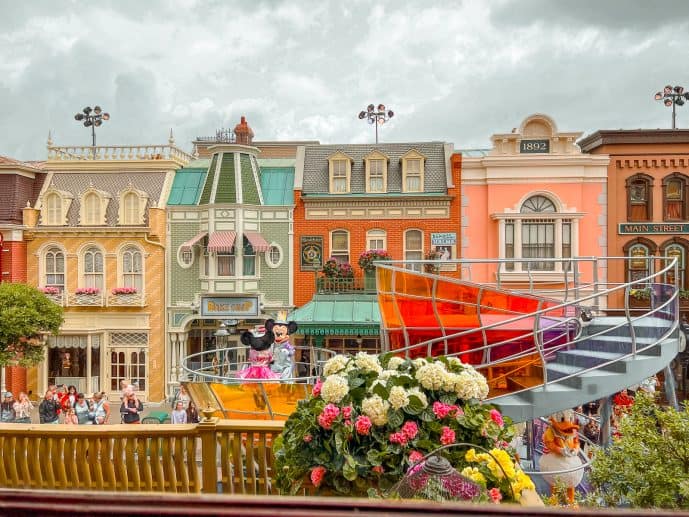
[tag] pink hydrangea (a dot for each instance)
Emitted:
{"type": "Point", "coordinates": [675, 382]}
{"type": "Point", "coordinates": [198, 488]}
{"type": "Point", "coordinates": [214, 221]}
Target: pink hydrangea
{"type": "Point", "coordinates": [447, 436]}
{"type": "Point", "coordinates": [399, 438]}
{"type": "Point", "coordinates": [347, 412]}
{"type": "Point", "coordinates": [495, 495]}
{"type": "Point", "coordinates": [328, 416]}
{"type": "Point", "coordinates": [410, 430]}
{"type": "Point", "coordinates": [316, 391]}
{"type": "Point", "coordinates": [317, 475]}
{"type": "Point", "coordinates": [348, 422]}
{"type": "Point", "coordinates": [441, 410]}
{"type": "Point", "coordinates": [415, 457]}
{"type": "Point", "coordinates": [496, 417]}
{"type": "Point", "coordinates": [363, 425]}
{"type": "Point", "coordinates": [308, 438]}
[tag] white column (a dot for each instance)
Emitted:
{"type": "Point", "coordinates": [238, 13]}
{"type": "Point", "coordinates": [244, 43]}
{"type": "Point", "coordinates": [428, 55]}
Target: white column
{"type": "Point", "coordinates": [558, 243]}
{"type": "Point", "coordinates": [172, 344]}
{"type": "Point", "coordinates": [89, 387]}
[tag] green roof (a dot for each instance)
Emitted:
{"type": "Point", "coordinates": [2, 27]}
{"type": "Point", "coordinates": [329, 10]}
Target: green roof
{"type": "Point", "coordinates": [226, 191]}
{"type": "Point", "coordinates": [277, 185]}
{"type": "Point", "coordinates": [345, 314]}
{"type": "Point", "coordinates": [208, 188]}
{"type": "Point", "coordinates": [186, 186]}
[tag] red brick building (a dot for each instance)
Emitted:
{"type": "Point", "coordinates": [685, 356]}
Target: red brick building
{"type": "Point", "coordinates": [402, 197]}
{"type": "Point", "coordinates": [20, 183]}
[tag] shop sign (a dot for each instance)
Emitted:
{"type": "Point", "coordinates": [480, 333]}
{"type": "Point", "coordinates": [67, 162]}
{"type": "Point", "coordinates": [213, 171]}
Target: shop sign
{"type": "Point", "coordinates": [443, 239]}
{"type": "Point", "coordinates": [534, 146]}
{"type": "Point", "coordinates": [652, 228]}
{"type": "Point", "coordinates": [311, 252]}
{"type": "Point", "coordinates": [230, 306]}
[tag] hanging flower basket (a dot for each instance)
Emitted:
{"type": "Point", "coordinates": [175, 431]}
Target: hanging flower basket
{"type": "Point", "coordinates": [368, 257]}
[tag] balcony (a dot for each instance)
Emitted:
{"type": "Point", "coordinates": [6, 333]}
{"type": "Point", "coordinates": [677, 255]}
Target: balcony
{"type": "Point", "coordinates": [58, 298]}
{"type": "Point", "coordinates": [118, 153]}
{"type": "Point", "coordinates": [86, 299]}
{"type": "Point", "coordinates": [127, 300]}
{"type": "Point", "coordinates": [356, 285]}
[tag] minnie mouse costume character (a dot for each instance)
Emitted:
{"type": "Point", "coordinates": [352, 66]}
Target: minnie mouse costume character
{"type": "Point", "coordinates": [283, 360]}
{"type": "Point", "coordinates": [260, 356]}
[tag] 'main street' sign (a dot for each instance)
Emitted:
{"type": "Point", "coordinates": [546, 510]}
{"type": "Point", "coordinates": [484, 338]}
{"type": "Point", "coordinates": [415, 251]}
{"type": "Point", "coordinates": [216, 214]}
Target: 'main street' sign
{"type": "Point", "coordinates": [657, 228]}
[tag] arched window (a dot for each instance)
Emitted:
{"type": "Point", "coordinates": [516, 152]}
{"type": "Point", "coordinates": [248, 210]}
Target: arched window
{"type": "Point", "coordinates": [413, 247]}
{"type": "Point", "coordinates": [639, 197]}
{"type": "Point", "coordinates": [638, 264]}
{"type": "Point", "coordinates": [339, 246]}
{"type": "Point", "coordinates": [91, 209]}
{"type": "Point", "coordinates": [376, 240]}
{"type": "Point", "coordinates": [538, 234]}
{"type": "Point", "coordinates": [55, 268]}
{"type": "Point", "coordinates": [130, 209]}
{"type": "Point", "coordinates": [675, 197]}
{"type": "Point", "coordinates": [93, 268]}
{"type": "Point", "coordinates": [53, 203]}
{"type": "Point", "coordinates": [132, 268]}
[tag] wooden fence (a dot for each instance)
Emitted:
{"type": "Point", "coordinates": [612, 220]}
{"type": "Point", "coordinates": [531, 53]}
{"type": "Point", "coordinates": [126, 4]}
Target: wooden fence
{"type": "Point", "coordinates": [232, 456]}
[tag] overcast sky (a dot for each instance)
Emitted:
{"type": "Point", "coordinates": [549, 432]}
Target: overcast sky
{"type": "Point", "coordinates": [452, 71]}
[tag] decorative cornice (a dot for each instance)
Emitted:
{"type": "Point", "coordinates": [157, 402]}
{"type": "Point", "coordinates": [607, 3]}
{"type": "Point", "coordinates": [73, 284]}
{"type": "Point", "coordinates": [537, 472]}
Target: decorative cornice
{"type": "Point", "coordinates": [378, 203]}
{"type": "Point", "coordinates": [675, 162]}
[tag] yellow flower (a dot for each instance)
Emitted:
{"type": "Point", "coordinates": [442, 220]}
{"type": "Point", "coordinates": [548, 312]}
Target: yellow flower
{"type": "Point", "coordinates": [474, 474]}
{"type": "Point", "coordinates": [470, 456]}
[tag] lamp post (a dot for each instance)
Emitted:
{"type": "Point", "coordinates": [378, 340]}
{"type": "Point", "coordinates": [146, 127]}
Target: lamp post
{"type": "Point", "coordinates": [221, 344]}
{"type": "Point", "coordinates": [377, 116]}
{"type": "Point", "coordinates": [672, 96]}
{"type": "Point", "coordinates": [92, 118]}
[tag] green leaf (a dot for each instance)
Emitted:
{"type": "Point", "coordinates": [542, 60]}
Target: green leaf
{"type": "Point", "coordinates": [395, 417]}
{"type": "Point", "coordinates": [448, 398]}
{"type": "Point", "coordinates": [381, 391]}
{"type": "Point", "coordinates": [427, 415]}
{"type": "Point", "coordinates": [415, 405]}
{"type": "Point", "coordinates": [374, 457]}
{"type": "Point", "coordinates": [355, 381]}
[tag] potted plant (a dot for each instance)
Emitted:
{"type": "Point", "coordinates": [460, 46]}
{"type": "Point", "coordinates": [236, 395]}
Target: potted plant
{"type": "Point", "coordinates": [370, 418]}
{"type": "Point", "coordinates": [331, 268]}
{"type": "Point", "coordinates": [367, 263]}
{"type": "Point", "coordinates": [683, 296]}
{"type": "Point", "coordinates": [640, 297]}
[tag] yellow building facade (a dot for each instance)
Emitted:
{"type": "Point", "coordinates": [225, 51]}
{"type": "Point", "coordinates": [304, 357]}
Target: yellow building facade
{"type": "Point", "coordinates": [96, 245]}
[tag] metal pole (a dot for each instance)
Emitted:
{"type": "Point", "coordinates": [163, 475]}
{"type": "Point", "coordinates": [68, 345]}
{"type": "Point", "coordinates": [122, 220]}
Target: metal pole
{"type": "Point", "coordinates": [673, 114]}
{"type": "Point", "coordinates": [93, 134]}
{"type": "Point", "coordinates": [670, 391]}
{"type": "Point", "coordinates": [604, 412]}
{"type": "Point", "coordinates": [376, 123]}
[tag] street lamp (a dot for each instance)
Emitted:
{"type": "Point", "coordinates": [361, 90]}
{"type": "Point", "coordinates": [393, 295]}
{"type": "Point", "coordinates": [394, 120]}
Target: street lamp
{"type": "Point", "coordinates": [221, 336]}
{"type": "Point", "coordinates": [92, 118]}
{"type": "Point", "coordinates": [376, 116]}
{"type": "Point", "coordinates": [672, 96]}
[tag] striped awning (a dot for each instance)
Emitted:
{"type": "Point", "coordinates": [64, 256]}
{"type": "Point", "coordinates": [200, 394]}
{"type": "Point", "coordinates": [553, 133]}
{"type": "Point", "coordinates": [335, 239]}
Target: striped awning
{"type": "Point", "coordinates": [257, 241]}
{"type": "Point", "coordinates": [221, 242]}
{"type": "Point", "coordinates": [186, 246]}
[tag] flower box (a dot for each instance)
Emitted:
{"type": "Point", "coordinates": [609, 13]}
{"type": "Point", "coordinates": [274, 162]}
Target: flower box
{"type": "Point", "coordinates": [86, 298]}
{"type": "Point", "coordinates": [368, 258]}
{"type": "Point", "coordinates": [119, 300]}
{"type": "Point", "coordinates": [124, 290]}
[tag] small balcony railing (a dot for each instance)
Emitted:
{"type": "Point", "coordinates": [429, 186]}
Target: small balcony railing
{"type": "Point", "coordinates": [126, 300]}
{"type": "Point", "coordinates": [118, 153]}
{"type": "Point", "coordinates": [86, 299]}
{"type": "Point", "coordinates": [360, 285]}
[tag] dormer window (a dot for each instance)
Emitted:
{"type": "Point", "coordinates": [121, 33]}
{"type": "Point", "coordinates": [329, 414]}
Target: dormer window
{"type": "Point", "coordinates": [94, 204]}
{"type": "Point", "coordinates": [340, 166]}
{"type": "Point", "coordinates": [55, 206]}
{"type": "Point", "coordinates": [412, 171]}
{"type": "Point", "coordinates": [376, 172]}
{"type": "Point", "coordinates": [132, 207]}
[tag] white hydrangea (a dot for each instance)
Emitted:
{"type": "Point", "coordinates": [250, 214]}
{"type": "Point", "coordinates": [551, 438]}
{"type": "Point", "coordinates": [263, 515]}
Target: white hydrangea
{"type": "Point", "coordinates": [431, 376]}
{"type": "Point", "coordinates": [387, 374]}
{"type": "Point", "coordinates": [368, 362]}
{"type": "Point", "coordinates": [455, 361]}
{"type": "Point", "coordinates": [418, 363]}
{"type": "Point", "coordinates": [335, 364]}
{"type": "Point", "coordinates": [471, 384]}
{"type": "Point", "coordinates": [398, 397]}
{"type": "Point", "coordinates": [395, 362]}
{"type": "Point", "coordinates": [416, 392]}
{"type": "Point", "coordinates": [376, 409]}
{"type": "Point", "coordinates": [450, 381]}
{"type": "Point", "coordinates": [334, 388]}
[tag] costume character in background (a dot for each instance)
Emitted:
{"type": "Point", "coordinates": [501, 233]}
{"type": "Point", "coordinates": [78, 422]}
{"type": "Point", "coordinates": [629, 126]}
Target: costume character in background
{"type": "Point", "coordinates": [561, 441]}
{"type": "Point", "coordinates": [260, 341]}
{"type": "Point", "coordinates": [283, 355]}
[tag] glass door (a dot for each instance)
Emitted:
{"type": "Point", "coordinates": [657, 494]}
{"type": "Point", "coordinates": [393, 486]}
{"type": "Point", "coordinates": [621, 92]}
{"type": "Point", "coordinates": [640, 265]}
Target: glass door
{"type": "Point", "coordinates": [128, 366]}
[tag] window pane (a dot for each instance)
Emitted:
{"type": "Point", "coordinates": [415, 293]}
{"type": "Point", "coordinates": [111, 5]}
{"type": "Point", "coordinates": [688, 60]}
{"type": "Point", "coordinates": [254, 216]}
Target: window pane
{"type": "Point", "coordinates": [249, 265]}
{"type": "Point", "coordinates": [225, 264]}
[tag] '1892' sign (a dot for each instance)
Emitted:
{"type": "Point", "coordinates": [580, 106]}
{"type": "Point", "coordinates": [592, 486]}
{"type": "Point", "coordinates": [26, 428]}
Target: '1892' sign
{"type": "Point", "coordinates": [534, 146]}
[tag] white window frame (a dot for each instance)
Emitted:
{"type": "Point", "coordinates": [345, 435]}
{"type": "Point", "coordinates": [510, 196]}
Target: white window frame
{"type": "Point", "coordinates": [55, 206]}
{"type": "Point", "coordinates": [268, 258]}
{"type": "Point", "coordinates": [128, 278]}
{"type": "Point", "coordinates": [376, 160]}
{"type": "Point", "coordinates": [417, 251]}
{"type": "Point", "coordinates": [340, 252]}
{"type": "Point", "coordinates": [128, 215]}
{"type": "Point", "coordinates": [376, 239]}
{"type": "Point", "coordinates": [336, 163]}
{"type": "Point", "coordinates": [92, 275]}
{"type": "Point", "coordinates": [53, 251]}
{"type": "Point", "coordinates": [181, 254]}
{"type": "Point", "coordinates": [408, 158]}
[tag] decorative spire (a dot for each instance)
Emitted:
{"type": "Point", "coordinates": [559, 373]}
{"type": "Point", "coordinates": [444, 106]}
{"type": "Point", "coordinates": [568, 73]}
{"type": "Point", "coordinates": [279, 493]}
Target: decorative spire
{"type": "Point", "coordinates": [50, 138]}
{"type": "Point", "coordinates": [172, 138]}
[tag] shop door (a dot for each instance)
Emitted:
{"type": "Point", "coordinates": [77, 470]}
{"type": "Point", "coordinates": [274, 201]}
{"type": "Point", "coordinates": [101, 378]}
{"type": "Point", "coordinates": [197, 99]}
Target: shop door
{"type": "Point", "coordinates": [128, 365]}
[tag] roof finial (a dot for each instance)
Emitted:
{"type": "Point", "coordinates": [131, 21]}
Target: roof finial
{"type": "Point", "coordinates": [50, 137]}
{"type": "Point", "coordinates": [196, 151]}
{"type": "Point", "coordinates": [172, 138]}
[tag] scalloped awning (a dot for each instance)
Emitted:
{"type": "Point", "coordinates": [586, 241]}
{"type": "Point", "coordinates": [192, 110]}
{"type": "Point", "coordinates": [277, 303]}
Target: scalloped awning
{"type": "Point", "coordinates": [221, 242]}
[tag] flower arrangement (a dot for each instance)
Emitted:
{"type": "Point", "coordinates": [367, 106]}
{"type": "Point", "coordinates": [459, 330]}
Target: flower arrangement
{"type": "Point", "coordinates": [432, 255]}
{"type": "Point", "coordinates": [124, 290]}
{"type": "Point", "coordinates": [87, 290]}
{"type": "Point", "coordinates": [369, 419]}
{"type": "Point", "coordinates": [333, 269]}
{"type": "Point", "coordinates": [49, 289]}
{"type": "Point", "coordinates": [368, 257]}
{"type": "Point", "coordinates": [641, 294]}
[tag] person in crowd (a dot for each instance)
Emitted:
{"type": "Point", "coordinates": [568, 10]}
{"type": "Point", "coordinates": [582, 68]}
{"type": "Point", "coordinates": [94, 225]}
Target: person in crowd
{"type": "Point", "coordinates": [7, 413]}
{"type": "Point", "coordinates": [63, 397]}
{"type": "Point", "coordinates": [22, 409]}
{"type": "Point", "coordinates": [131, 407]}
{"type": "Point", "coordinates": [192, 414]}
{"type": "Point", "coordinates": [591, 431]}
{"type": "Point", "coordinates": [72, 395]}
{"type": "Point", "coordinates": [623, 399]}
{"type": "Point", "coordinates": [179, 414]}
{"type": "Point", "coordinates": [82, 410]}
{"type": "Point", "coordinates": [100, 411]}
{"type": "Point", "coordinates": [183, 397]}
{"type": "Point", "coordinates": [48, 410]}
{"type": "Point", "coordinates": [581, 418]}
{"type": "Point", "coordinates": [71, 417]}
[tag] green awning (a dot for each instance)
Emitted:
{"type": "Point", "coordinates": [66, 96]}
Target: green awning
{"type": "Point", "coordinates": [342, 314]}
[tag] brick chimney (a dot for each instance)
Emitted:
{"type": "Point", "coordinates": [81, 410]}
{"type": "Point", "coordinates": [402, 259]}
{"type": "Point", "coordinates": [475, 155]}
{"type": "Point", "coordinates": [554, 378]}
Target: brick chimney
{"type": "Point", "coordinates": [243, 133]}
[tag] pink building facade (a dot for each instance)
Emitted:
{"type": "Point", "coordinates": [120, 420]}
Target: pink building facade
{"type": "Point", "coordinates": [533, 195]}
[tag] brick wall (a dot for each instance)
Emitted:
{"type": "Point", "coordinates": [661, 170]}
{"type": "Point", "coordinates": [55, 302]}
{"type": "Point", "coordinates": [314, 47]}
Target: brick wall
{"type": "Point", "coordinates": [13, 261]}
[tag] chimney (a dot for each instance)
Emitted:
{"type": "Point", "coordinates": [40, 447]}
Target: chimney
{"type": "Point", "coordinates": [243, 133]}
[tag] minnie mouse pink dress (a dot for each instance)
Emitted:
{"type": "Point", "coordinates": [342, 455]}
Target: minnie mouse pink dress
{"type": "Point", "coordinates": [260, 366]}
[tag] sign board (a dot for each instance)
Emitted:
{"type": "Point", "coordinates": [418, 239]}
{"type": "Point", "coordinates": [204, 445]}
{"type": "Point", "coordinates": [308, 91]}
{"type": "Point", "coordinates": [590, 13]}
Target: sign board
{"type": "Point", "coordinates": [444, 239]}
{"type": "Point", "coordinates": [446, 246]}
{"type": "Point", "coordinates": [311, 252]}
{"type": "Point", "coordinates": [652, 228]}
{"type": "Point", "coordinates": [534, 146]}
{"type": "Point", "coordinates": [230, 306]}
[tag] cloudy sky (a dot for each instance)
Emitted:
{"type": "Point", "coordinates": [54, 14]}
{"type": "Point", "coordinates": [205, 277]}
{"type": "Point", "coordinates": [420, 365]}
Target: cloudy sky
{"type": "Point", "coordinates": [452, 71]}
